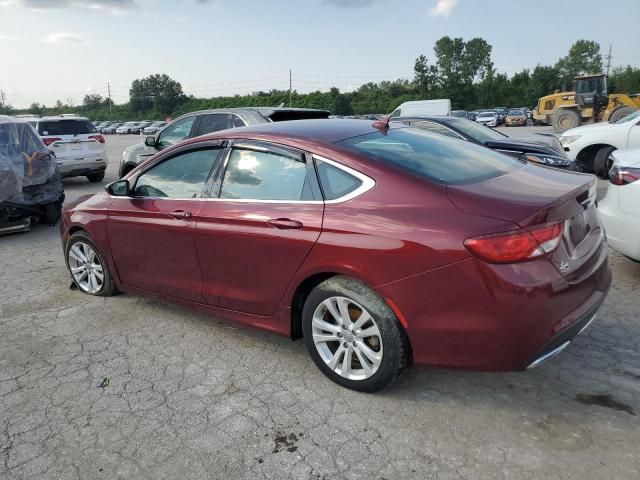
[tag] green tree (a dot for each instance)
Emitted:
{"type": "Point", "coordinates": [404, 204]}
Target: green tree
{"type": "Point", "coordinates": [625, 80]}
{"type": "Point", "coordinates": [459, 64]}
{"type": "Point", "coordinates": [156, 92]}
{"type": "Point", "coordinates": [425, 77]}
{"type": "Point", "coordinates": [92, 101]}
{"type": "Point", "coordinates": [583, 58]}
{"type": "Point", "coordinates": [544, 81]}
{"type": "Point", "coordinates": [36, 109]}
{"type": "Point", "coordinates": [341, 105]}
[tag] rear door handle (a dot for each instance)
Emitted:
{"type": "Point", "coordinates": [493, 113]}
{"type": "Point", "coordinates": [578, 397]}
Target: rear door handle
{"type": "Point", "coordinates": [285, 223]}
{"type": "Point", "coordinates": [180, 214]}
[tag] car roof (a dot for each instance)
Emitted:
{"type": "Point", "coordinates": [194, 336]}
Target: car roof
{"type": "Point", "coordinates": [265, 111]}
{"type": "Point", "coordinates": [53, 118]}
{"type": "Point", "coordinates": [320, 130]}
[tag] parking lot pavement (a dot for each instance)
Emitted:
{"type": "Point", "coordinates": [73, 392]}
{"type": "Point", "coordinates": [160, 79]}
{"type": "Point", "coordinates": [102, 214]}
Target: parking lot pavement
{"type": "Point", "coordinates": [126, 387]}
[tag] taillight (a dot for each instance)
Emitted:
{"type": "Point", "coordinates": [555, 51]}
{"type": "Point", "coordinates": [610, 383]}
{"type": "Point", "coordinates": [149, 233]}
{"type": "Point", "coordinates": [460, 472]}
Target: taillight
{"type": "Point", "coordinates": [517, 245]}
{"type": "Point", "coordinates": [49, 140]}
{"type": "Point", "coordinates": [99, 138]}
{"type": "Point", "coordinates": [624, 175]}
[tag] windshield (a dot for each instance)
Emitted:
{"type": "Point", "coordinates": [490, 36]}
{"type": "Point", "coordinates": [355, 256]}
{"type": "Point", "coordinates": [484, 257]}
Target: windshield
{"type": "Point", "coordinates": [487, 114]}
{"type": "Point", "coordinates": [630, 118]}
{"type": "Point", "coordinates": [515, 112]}
{"type": "Point", "coordinates": [431, 156]}
{"type": "Point", "coordinates": [65, 127]}
{"type": "Point", "coordinates": [476, 131]}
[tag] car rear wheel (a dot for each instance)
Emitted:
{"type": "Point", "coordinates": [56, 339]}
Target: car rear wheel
{"type": "Point", "coordinates": [88, 267]}
{"type": "Point", "coordinates": [603, 162]}
{"type": "Point", "coordinates": [95, 177]}
{"type": "Point", "coordinates": [353, 336]}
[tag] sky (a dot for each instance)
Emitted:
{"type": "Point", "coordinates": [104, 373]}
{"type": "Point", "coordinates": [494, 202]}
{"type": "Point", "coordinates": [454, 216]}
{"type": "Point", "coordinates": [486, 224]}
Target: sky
{"type": "Point", "coordinates": [64, 49]}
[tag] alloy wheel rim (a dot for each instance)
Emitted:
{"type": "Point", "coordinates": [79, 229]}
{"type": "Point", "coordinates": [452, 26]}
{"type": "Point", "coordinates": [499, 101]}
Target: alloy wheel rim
{"type": "Point", "coordinates": [347, 338]}
{"type": "Point", "coordinates": [86, 268]}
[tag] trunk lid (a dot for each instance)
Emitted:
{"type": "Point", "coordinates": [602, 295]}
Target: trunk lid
{"type": "Point", "coordinates": [76, 148]}
{"type": "Point", "coordinates": [536, 195]}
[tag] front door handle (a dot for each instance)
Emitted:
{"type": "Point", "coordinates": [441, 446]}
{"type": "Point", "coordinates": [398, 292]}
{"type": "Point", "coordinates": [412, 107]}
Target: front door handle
{"type": "Point", "coordinates": [285, 223]}
{"type": "Point", "coordinates": [180, 214]}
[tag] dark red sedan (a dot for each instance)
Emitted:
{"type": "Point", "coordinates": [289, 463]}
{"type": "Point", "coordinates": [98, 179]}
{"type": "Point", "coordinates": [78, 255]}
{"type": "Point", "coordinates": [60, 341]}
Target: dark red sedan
{"type": "Point", "coordinates": [380, 245]}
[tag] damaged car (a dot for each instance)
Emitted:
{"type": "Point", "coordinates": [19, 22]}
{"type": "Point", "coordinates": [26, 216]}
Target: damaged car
{"type": "Point", "coordinates": [30, 187]}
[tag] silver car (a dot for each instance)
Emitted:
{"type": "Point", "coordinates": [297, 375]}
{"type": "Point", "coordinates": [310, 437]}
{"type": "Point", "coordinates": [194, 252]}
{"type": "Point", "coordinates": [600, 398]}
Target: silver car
{"type": "Point", "coordinates": [199, 123]}
{"type": "Point", "coordinates": [80, 150]}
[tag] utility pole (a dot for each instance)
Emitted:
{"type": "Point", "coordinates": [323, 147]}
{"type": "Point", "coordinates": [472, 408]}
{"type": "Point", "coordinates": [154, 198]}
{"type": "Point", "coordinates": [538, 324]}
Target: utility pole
{"type": "Point", "coordinates": [608, 57]}
{"type": "Point", "coordinates": [109, 94]}
{"type": "Point", "coordinates": [290, 85]}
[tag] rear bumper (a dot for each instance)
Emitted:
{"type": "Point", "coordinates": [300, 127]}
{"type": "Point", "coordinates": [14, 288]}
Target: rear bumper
{"type": "Point", "coordinates": [476, 316]}
{"type": "Point", "coordinates": [79, 168]}
{"type": "Point", "coordinates": [562, 340]}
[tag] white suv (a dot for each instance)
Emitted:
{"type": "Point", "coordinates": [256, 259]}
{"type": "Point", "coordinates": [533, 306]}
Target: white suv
{"type": "Point", "coordinates": [80, 150]}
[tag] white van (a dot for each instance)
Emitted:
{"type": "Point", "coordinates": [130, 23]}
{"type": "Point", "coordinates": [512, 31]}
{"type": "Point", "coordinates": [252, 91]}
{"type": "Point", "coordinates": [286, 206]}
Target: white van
{"type": "Point", "coordinates": [423, 107]}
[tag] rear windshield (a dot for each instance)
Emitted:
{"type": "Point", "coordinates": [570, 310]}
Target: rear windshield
{"type": "Point", "coordinates": [65, 127]}
{"type": "Point", "coordinates": [433, 157]}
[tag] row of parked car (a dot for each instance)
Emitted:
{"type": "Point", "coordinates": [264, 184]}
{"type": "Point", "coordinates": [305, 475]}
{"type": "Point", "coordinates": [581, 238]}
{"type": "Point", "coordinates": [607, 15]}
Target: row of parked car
{"type": "Point", "coordinates": [146, 127]}
{"type": "Point", "coordinates": [496, 116]}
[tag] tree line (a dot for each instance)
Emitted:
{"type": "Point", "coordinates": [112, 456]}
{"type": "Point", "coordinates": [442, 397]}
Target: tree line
{"type": "Point", "coordinates": [460, 70]}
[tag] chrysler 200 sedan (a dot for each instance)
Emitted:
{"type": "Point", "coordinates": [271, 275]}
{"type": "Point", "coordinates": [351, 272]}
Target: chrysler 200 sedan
{"type": "Point", "coordinates": [381, 245]}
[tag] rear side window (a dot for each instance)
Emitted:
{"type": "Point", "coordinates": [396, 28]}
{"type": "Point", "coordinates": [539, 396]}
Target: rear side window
{"type": "Point", "coordinates": [257, 175]}
{"type": "Point", "coordinates": [65, 127]}
{"type": "Point", "coordinates": [335, 182]}
{"type": "Point", "coordinates": [238, 122]}
{"type": "Point", "coordinates": [213, 123]}
{"type": "Point", "coordinates": [435, 128]}
{"type": "Point", "coordinates": [433, 157]}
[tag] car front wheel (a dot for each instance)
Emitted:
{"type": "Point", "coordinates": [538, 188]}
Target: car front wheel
{"type": "Point", "coordinates": [353, 336]}
{"type": "Point", "coordinates": [88, 267]}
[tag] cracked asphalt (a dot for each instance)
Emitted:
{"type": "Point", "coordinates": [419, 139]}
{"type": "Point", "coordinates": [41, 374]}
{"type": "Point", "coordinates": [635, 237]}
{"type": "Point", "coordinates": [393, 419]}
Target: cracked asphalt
{"type": "Point", "coordinates": [126, 387]}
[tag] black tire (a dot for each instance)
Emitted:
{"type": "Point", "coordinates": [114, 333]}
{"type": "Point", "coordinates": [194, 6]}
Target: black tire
{"type": "Point", "coordinates": [602, 162]}
{"type": "Point", "coordinates": [565, 119]}
{"type": "Point", "coordinates": [52, 213]}
{"type": "Point", "coordinates": [95, 177]}
{"type": "Point", "coordinates": [395, 345]}
{"type": "Point", "coordinates": [621, 113]}
{"type": "Point", "coordinates": [108, 287]}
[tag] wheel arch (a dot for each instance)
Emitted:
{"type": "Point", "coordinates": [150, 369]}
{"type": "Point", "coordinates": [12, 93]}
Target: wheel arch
{"type": "Point", "coordinates": [587, 155]}
{"type": "Point", "coordinates": [306, 286]}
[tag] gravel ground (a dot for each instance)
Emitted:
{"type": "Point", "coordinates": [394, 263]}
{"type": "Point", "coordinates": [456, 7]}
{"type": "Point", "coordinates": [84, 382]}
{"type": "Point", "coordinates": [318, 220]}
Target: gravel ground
{"type": "Point", "coordinates": [126, 387]}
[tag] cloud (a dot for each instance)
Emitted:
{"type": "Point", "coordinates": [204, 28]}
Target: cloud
{"type": "Point", "coordinates": [7, 38]}
{"type": "Point", "coordinates": [64, 37]}
{"type": "Point", "coordinates": [443, 8]}
{"type": "Point", "coordinates": [349, 3]}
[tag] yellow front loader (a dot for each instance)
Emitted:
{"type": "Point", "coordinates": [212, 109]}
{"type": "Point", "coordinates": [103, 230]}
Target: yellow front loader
{"type": "Point", "coordinates": [589, 102]}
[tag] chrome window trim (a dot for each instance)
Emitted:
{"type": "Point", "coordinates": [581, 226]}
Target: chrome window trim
{"type": "Point", "coordinates": [367, 182]}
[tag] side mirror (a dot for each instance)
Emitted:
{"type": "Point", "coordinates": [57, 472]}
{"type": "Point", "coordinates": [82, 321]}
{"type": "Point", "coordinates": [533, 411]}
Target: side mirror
{"type": "Point", "coordinates": [119, 188]}
{"type": "Point", "coordinates": [150, 141]}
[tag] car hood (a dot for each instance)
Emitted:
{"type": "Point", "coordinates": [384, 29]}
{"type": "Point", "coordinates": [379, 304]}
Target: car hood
{"type": "Point", "coordinates": [539, 143]}
{"type": "Point", "coordinates": [627, 158]}
{"type": "Point", "coordinates": [588, 129]}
